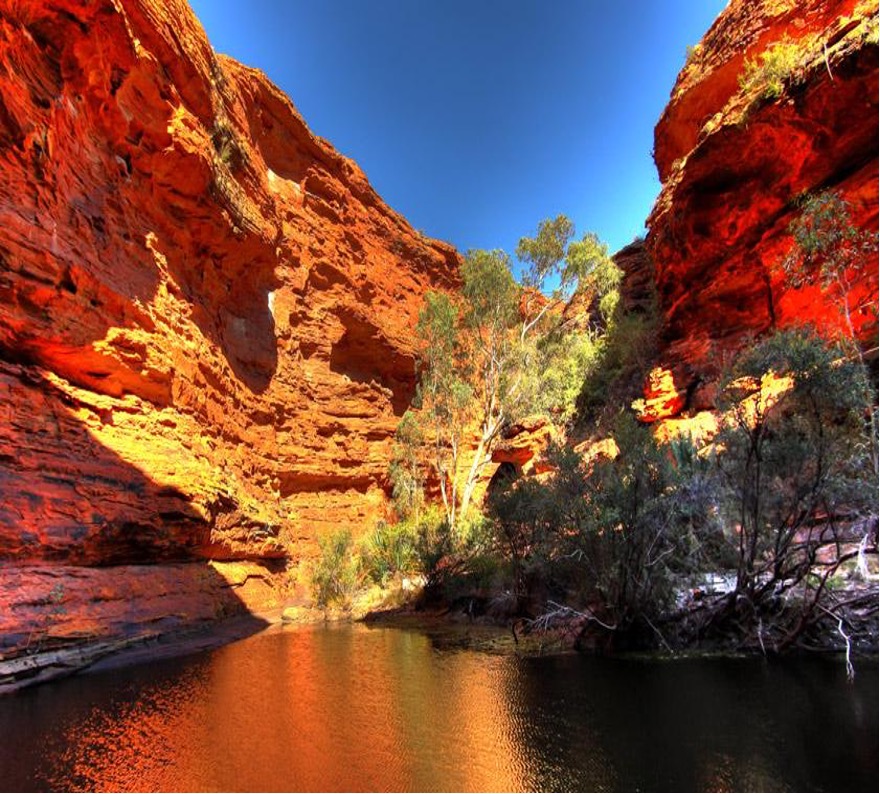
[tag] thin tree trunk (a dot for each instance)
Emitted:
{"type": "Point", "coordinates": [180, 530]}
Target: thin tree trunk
{"type": "Point", "coordinates": [480, 460]}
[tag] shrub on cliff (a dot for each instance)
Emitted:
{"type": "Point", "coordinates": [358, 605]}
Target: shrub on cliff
{"type": "Point", "coordinates": [829, 250]}
{"type": "Point", "coordinates": [624, 356]}
{"type": "Point", "coordinates": [777, 65]}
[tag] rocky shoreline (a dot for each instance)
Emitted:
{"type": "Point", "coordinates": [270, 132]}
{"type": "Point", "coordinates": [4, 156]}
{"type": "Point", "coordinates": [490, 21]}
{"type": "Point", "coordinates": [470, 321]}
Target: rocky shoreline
{"type": "Point", "coordinates": [450, 627]}
{"type": "Point", "coordinates": [38, 668]}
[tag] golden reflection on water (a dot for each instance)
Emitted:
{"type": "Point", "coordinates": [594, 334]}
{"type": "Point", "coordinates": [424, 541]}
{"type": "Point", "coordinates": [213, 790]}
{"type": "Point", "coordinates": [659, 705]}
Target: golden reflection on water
{"type": "Point", "coordinates": [355, 708]}
{"type": "Point", "coordinates": [362, 712]}
{"type": "Point", "coordinates": [147, 744]}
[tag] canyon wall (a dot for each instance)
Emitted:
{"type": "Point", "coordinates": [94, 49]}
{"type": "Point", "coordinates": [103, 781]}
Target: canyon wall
{"type": "Point", "coordinates": [206, 323]}
{"type": "Point", "coordinates": [206, 312]}
{"type": "Point", "coordinates": [734, 160]}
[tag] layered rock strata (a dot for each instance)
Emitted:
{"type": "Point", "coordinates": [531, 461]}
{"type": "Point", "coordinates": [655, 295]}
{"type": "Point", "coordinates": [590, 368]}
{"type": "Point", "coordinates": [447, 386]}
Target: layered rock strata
{"type": "Point", "coordinates": [206, 321]}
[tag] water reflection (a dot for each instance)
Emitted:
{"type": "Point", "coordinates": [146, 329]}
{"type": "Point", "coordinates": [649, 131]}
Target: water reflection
{"type": "Point", "coordinates": [352, 708]}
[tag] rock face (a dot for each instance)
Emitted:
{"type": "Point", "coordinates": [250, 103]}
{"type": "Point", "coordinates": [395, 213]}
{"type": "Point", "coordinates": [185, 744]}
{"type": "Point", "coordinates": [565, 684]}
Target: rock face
{"type": "Point", "coordinates": [205, 313]}
{"type": "Point", "coordinates": [733, 162]}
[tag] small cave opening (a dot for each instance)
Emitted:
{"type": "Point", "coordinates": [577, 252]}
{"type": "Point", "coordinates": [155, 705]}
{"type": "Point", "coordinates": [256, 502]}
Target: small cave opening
{"type": "Point", "coordinates": [504, 476]}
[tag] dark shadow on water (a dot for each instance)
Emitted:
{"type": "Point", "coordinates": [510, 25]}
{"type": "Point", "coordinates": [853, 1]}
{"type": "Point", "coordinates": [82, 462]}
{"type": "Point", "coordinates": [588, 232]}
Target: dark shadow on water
{"type": "Point", "coordinates": [706, 724]}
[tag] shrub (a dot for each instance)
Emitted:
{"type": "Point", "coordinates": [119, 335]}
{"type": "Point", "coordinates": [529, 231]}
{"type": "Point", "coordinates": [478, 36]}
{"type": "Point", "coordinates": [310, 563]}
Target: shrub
{"type": "Point", "coordinates": [792, 455]}
{"type": "Point", "coordinates": [453, 562]}
{"type": "Point", "coordinates": [772, 68]}
{"type": "Point", "coordinates": [618, 535]}
{"type": "Point", "coordinates": [226, 145]}
{"type": "Point", "coordinates": [390, 549]}
{"type": "Point", "coordinates": [624, 357]}
{"type": "Point", "coordinates": [624, 536]}
{"type": "Point", "coordinates": [829, 250]}
{"type": "Point", "coordinates": [433, 546]}
{"type": "Point", "coordinates": [794, 463]}
{"type": "Point", "coordinates": [335, 572]}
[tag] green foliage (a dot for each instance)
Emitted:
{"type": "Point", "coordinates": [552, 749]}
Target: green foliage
{"type": "Point", "coordinates": [434, 543]}
{"type": "Point", "coordinates": [481, 360]}
{"type": "Point", "coordinates": [438, 330]}
{"type": "Point", "coordinates": [648, 523]}
{"type": "Point", "coordinates": [623, 536]}
{"type": "Point", "coordinates": [789, 458]}
{"type": "Point", "coordinates": [624, 356]}
{"type": "Point", "coordinates": [478, 361]}
{"type": "Point", "coordinates": [562, 362]}
{"type": "Point", "coordinates": [455, 562]}
{"type": "Point", "coordinates": [551, 253]}
{"type": "Point", "coordinates": [773, 68]}
{"type": "Point", "coordinates": [425, 545]}
{"type": "Point", "coordinates": [614, 534]}
{"type": "Point", "coordinates": [490, 291]}
{"type": "Point", "coordinates": [391, 549]}
{"type": "Point", "coordinates": [226, 145]}
{"type": "Point", "coordinates": [545, 251]}
{"type": "Point", "coordinates": [826, 243]}
{"type": "Point", "coordinates": [828, 249]}
{"type": "Point", "coordinates": [557, 362]}
{"type": "Point", "coordinates": [335, 572]}
{"type": "Point", "coordinates": [530, 517]}
{"type": "Point", "coordinates": [444, 395]}
{"type": "Point", "coordinates": [407, 479]}
{"type": "Point", "coordinates": [589, 263]}
{"type": "Point", "coordinates": [494, 346]}
{"type": "Point", "coordinates": [698, 495]}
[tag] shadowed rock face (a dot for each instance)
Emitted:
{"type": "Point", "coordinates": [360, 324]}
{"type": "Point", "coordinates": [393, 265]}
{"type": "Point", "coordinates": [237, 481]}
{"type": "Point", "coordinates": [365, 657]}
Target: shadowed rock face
{"type": "Point", "coordinates": [733, 164]}
{"type": "Point", "coordinates": [206, 312]}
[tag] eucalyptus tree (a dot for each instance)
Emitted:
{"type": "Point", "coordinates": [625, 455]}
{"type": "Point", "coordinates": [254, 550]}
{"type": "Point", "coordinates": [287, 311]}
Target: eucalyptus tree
{"type": "Point", "coordinates": [480, 359]}
{"type": "Point", "coordinates": [443, 394]}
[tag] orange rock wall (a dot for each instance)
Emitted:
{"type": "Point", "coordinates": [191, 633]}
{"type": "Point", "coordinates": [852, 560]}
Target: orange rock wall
{"type": "Point", "coordinates": [205, 311]}
{"type": "Point", "coordinates": [733, 164]}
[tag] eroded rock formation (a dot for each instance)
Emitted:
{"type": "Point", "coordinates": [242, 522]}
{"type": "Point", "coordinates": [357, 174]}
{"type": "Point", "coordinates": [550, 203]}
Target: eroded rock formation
{"type": "Point", "coordinates": [734, 161]}
{"type": "Point", "coordinates": [206, 312]}
{"type": "Point", "coordinates": [205, 319]}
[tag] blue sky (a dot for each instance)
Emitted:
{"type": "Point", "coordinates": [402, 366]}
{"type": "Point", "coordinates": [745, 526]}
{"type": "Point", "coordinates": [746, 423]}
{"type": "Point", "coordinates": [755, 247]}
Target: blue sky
{"type": "Point", "coordinates": [478, 118]}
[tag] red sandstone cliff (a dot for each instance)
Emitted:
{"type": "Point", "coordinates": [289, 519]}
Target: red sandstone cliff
{"type": "Point", "coordinates": [206, 312]}
{"type": "Point", "coordinates": [205, 323]}
{"type": "Point", "coordinates": [733, 162]}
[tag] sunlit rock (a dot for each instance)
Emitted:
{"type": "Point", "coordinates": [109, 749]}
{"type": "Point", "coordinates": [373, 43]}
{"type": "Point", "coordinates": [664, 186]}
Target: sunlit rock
{"type": "Point", "coordinates": [206, 317]}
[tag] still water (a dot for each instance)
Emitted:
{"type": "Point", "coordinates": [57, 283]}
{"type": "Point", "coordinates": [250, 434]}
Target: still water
{"type": "Point", "coordinates": [358, 708]}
